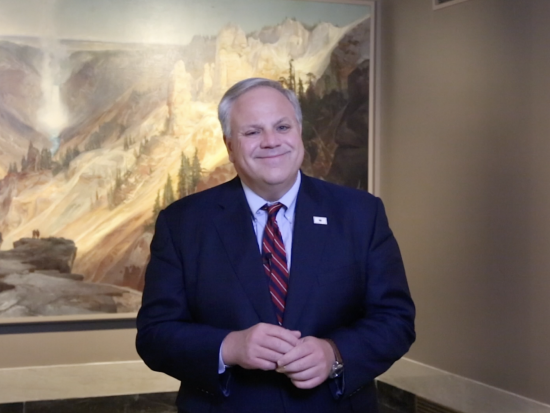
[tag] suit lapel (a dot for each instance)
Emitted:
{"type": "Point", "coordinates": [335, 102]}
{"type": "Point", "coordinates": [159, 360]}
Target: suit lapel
{"type": "Point", "coordinates": [308, 242]}
{"type": "Point", "coordinates": [234, 225]}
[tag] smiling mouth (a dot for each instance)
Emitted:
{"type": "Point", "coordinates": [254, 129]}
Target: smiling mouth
{"type": "Point", "coordinates": [272, 156]}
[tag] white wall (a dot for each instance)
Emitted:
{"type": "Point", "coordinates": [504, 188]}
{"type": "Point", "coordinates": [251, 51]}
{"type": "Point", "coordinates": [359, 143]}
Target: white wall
{"type": "Point", "coordinates": [464, 173]}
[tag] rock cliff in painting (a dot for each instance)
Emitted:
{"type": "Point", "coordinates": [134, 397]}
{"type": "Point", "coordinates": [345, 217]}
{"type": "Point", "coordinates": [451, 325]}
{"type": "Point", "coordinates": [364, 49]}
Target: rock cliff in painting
{"type": "Point", "coordinates": [96, 138]}
{"type": "Point", "coordinates": [36, 280]}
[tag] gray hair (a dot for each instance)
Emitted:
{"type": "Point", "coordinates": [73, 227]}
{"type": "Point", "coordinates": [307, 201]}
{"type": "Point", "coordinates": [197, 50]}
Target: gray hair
{"type": "Point", "coordinates": [224, 108]}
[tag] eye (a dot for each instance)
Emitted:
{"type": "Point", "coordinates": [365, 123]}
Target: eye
{"type": "Point", "coordinates": [251, 132]}
{"type": "Point", "coordinates": [283, 128]}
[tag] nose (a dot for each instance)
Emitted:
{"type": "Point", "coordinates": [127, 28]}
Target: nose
{"type": "Point", "coordinates": [270, 139]}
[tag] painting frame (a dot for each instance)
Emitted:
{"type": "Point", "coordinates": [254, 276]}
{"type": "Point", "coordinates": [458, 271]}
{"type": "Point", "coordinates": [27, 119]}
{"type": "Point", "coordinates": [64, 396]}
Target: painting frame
{"type": "Point", "coordinates": [440, 4]}
{"type": "Point", "coordinates": [372, 161]}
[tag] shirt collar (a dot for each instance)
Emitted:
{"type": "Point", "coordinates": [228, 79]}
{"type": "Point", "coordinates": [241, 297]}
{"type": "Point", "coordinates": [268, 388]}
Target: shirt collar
{"type": "Point", "coordinates": [255, 202]}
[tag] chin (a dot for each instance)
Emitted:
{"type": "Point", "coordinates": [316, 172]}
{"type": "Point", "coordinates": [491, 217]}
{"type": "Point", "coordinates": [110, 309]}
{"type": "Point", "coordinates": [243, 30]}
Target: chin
{"type": "Point", "coordinates": [273, 181]}
{"type": "Point", "coordinates": [278, 177]}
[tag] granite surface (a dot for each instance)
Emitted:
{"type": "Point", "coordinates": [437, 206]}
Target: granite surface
{"type": "Point", "coordinates": [12, 408]}
{"type": "Point", "coordinates": [392, 400]}
{"type": "Point", "coordinates": [97, 387]}
{"type": "Point", "coordinates": [142, 403]}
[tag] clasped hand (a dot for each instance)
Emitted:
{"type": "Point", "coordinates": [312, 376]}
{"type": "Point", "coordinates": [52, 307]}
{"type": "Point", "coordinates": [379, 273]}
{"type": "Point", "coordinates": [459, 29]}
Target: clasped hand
{"type": "Point", "coordinates": [306, 361]}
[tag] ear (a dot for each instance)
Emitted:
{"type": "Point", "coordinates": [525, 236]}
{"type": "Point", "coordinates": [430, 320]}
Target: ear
{"type": "Point", "coordinates": [229, 146]}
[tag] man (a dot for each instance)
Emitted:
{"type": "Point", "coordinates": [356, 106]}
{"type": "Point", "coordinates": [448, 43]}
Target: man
{"type": "Point", "coordinates": [274, 292]}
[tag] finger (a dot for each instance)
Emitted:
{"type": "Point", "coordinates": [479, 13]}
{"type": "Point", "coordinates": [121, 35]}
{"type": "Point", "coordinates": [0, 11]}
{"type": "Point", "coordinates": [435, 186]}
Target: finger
{"type": "Point", "coordinates": [271, 336]}
{"type": "Point", "coordinates": [261, 339]}
{"type": "Point", "coordinates": [276, 344]}
{"type": "Point", "coordinates": [267, 354]}
{"type": "Point", "coordinates": [271, 343]}
{"type": "Point", "coordinates": [257, 360]}
{"type": "Point", "coordinates": [280, 369]}
{"type": "Point", "coordinates": [295, 354]}
{"type": "Point", "coordinates": [305, 363]}
{"type": "Point", "coordinates": [263, 364]}
{"type": "Point", "coordinates": [291, 337]}
{"type": "Point", "coordinates": [305, 375]}
{"type": "Point", "coordinates": [278, 339]}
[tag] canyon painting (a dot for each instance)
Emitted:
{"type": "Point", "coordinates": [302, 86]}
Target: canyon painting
{"type": "Point", "coordinates": [108, 113]}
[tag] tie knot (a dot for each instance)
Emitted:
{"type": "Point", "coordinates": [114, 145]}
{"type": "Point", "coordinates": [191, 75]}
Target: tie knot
{"type": "Point", "coordinates": [272, 209]}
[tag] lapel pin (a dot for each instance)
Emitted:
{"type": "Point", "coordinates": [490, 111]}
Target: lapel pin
{"type": "Point", "coordinates": [320, 220]}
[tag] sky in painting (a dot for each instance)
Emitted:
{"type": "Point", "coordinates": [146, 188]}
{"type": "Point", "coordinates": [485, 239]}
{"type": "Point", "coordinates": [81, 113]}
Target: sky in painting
{"type": "Point", "coordinates": [160, 21]}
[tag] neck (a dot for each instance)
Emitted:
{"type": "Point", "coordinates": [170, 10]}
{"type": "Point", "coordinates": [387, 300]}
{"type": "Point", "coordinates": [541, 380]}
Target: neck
{"type": "Point", "coordinates": [271, 193]}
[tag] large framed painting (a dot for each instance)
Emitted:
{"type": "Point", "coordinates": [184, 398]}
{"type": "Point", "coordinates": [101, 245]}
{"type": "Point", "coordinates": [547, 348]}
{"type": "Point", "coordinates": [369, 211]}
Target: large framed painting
{"type": "Point", "coordinates": [108, 114]}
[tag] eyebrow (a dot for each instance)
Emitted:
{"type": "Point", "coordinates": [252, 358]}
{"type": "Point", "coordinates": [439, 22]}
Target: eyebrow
{"type": "Point", "coordinates": [260, 126]}
{"type": "Point", "coordinates": [252, 125]}
{"type": "Point", "coordinates": [283, 119]}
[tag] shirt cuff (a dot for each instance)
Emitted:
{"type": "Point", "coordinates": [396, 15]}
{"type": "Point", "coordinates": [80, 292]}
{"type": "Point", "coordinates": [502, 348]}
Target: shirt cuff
{"type": "Point", "coordinates": [221, 364]}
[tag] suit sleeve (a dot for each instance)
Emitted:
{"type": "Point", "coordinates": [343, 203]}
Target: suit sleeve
{"type": "Point", "coordinates": [385, 331]}
{"type": "Point", "coordinates": [168, 339]}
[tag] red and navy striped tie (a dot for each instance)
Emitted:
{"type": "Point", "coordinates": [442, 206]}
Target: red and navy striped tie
{"type": "Point", "coordinates": [274, 260]}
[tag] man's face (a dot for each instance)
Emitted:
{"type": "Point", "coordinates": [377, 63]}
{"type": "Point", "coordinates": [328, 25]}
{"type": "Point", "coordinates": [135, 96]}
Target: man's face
{"type": "Point", "coordinates": [266, 142]}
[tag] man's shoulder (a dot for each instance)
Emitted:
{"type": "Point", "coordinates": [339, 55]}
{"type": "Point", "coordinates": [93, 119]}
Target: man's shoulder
{"type": "Point", "coordinates": [204, 201]}
{"type": "Point", "coordinates": [337, 193]}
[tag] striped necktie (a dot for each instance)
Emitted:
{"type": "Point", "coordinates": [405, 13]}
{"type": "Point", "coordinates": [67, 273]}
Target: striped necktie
{"type": "Point", "coordinates": [274, 260]}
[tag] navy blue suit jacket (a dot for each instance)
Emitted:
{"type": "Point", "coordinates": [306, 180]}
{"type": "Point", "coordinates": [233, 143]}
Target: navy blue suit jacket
{"type": "Point", "coordinates": [205, 279]}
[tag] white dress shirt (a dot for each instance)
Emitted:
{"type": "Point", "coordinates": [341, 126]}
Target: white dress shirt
{"type": "Point", "coordinates": [285, 216]}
